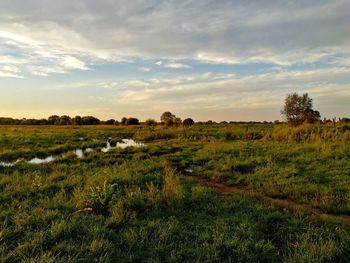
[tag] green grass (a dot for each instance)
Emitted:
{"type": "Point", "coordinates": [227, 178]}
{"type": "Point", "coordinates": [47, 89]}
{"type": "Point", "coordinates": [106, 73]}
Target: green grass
{"type": "Point", "coordinates": [137, 204]}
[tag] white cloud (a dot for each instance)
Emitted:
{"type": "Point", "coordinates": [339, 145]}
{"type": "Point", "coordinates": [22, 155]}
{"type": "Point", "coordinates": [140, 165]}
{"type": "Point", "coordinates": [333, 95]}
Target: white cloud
{"type": "Point", "coordinates": [177, 66]}
{"type": "Point", "coordinates": [12, 60]}
{"type": "Point", "coordinates": [224, 32]}
{"type": "Point", "coordinates": [10, 72]}
{"type": "Point", "coordinates": [73, 63]}
{"type": "Point", "coordinates": [145, 69]}
{"type": "Point", "coordinates": [264, 91]}
{"type": "Point", "coordinates": [43, 39]}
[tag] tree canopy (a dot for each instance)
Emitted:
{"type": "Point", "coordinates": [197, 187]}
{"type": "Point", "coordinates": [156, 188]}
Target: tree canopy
{"type": "Point", "coordinates": [188, 122]}
{"type": "Point", "coordinates": [170, 119]}
{"type": "Point", "coordinates": [298, 109]}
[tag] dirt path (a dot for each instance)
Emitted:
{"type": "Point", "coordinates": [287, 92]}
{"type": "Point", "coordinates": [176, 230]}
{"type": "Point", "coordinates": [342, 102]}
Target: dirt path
{"type": "Point", "coordinates": [290, 205]}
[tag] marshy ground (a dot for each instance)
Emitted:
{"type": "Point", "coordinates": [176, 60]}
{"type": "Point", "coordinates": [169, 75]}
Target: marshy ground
{"type": "Point", "coordinates": [210, 193]}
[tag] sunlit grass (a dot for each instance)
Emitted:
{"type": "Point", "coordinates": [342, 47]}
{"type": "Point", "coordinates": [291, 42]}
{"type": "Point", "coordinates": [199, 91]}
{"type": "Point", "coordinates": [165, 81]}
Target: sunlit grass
{"type": "Point", "coordinates": [137, 204]}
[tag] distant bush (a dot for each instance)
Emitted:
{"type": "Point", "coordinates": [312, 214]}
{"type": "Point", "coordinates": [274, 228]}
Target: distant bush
{"type": "Point", "coordinates": [110, 122]}
{"type": "Point", "coordinates": [89, 120]}
{"type": "Point", "coordinates": [151, 122]}
{"type": "Point", "coordinates": [188, 122]}
{"type": "Point", "coordinates": [132, 121]}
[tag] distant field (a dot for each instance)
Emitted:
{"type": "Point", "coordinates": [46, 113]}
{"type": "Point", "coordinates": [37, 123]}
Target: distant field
{"type": "Point", "coordinates": [144, 204]}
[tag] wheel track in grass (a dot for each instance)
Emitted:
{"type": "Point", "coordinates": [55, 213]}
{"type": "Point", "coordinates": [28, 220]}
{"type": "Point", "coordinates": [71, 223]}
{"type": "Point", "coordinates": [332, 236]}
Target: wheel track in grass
{"type": "Point", "coordinates": [288, 204]}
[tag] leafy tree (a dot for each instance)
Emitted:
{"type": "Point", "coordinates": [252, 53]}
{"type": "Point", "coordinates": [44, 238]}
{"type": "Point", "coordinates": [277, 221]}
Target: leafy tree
{"type": "Point", "coordinates": [77, 120]}
{"type": "Point", "coordinates": [167, 118]}
{"type": "Point", "coordinates": [54, 120]}
{"type": "Point", "coordinates": [110, 122]}
{"type": "Point", "coordinates": [90, 120]}
{"type": "Point", "coordinates": [132, 121]}
{"type": "Point", "coordinates": [170, 119]}
{"type": "Point", "coordinates": [65, 120]}
{"type": "Point", "coordinates": [123, 121]}
{"type": "Point", "coordinates": [298, 109]}
{"type": "Point", "coordinates": [188, 122]}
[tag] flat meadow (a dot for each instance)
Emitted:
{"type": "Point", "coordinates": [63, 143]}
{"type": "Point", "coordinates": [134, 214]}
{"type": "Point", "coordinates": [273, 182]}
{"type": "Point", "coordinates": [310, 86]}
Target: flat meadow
{"type": "Point", "coordinates": [149, 204]}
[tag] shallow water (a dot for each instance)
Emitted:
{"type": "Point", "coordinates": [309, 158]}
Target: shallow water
{"type": "Point", "coordinates": [122, 145]}
{"type": "Point", "coordinates": [129, 143]}
{"type": "Point", "coordinates": [4, 164]}
{"type": "Point", "coordinates": [107, 148]}
{"type": "Point", "coordinates": [79, 152]}
{"type": "Point", "coordinates": [40, 161]}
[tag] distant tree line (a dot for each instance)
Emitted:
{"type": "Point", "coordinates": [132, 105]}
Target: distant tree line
{"type": "Point", "coordinates": [53, 120]}
{"type": "Point", "coordinates": [167, 119]}
{"type": "Point", "coordinates": [297, 110]}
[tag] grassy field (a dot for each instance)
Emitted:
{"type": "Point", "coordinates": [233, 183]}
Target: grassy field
{"type": "Point", "coordinates": [143, 204]}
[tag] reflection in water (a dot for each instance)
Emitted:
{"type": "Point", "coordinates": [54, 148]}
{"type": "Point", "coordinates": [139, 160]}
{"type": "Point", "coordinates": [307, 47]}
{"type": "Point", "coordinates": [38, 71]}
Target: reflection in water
{"type": "Point", "coordinates": [122, 145]}
{"type": "Point", "coordinates": [79, 152]}
{"type": "Point", "coordinates": [107, 148]}
{"type": "Point", "coordinates": [3, 164]}
{"type": "Point", "coordinates": [40, 161]}
{"type": "Point", "coordinates": [129, 143]}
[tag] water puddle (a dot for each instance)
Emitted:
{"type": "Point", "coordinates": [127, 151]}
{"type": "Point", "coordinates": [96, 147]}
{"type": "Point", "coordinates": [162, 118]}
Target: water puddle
{"type": "Point", "coordinates": [40, 161]}
{"type": "Point", "coordinates": [4, 164]}
{"type": "Point", "coordinates": [129, 143]}
{"type": "Point", "coordinates": [190, 169]}
{"type": "Point", "coordinates": [79, 152]}
{"type": "Point", "coordinates": [107, 148]}
{"type": "Point", "coordinates": [122, 145]}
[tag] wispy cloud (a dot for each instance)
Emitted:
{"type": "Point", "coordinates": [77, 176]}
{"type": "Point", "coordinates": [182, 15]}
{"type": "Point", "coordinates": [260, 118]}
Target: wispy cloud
{"type": "Point", "coordinates": [235, 33]}
{"type": "Point", "coordinates": [177, 66]}
{"type": "Point", "coordinates": [10, 72]}
{"type": "Point", "coordinates": [206, 55]}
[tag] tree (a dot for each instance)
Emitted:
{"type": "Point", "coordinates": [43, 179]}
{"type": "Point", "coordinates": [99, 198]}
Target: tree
{"type": "Point", "coordinates": [90, 120]}
{"type": "Point", "coordinates": [188, 122]}
{"type": "Point", "coordinates": [65, 120]}
{"type": "Point", "coordinates": [132, 121]}
{"type": "Point", "coordinates": [54, 120]}
{"type": "Point", "coordinates": [298, 109]}
{"type": "Point", "coordinates": [77, 120]}
{"type": "Point", "coordinates": [170, 119]}
{"type": "Point", "coordinates": [123, 120]}
{"type": "Point", "coordinates": [167, 118]}
{"type": "Point", "coordinates": [110, 122]}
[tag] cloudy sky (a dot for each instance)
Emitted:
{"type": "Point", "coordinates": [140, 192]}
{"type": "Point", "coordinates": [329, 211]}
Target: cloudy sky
{"type": "Point", "coordinates": [208, 59]}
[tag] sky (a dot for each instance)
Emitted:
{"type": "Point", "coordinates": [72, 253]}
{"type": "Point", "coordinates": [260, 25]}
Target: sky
{"type": "Point", "coordinates": [208, 59]}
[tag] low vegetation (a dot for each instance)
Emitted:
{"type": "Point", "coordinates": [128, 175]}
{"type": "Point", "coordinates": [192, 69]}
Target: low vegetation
{"type": "Point", "coordinates": [142, 205]}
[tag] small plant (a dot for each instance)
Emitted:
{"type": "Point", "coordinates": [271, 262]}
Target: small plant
{"type": "Point", "coordinates": [98, 197]}
{"type": "Point", "coordinates": [172, 188]}
{"type": "Point", "coordinates": [117, 213]}
{"type": "Point", "coordinates": [152, 194]}
{"type": "Point", "coordinates": [135, 199]}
